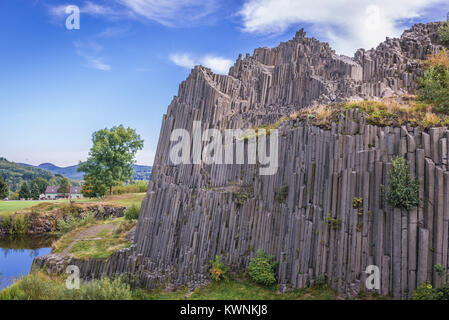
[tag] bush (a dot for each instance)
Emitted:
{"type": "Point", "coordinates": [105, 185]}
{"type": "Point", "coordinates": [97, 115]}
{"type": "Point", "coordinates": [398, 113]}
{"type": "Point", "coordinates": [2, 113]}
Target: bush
{"type": "Point", "coordinates": [37, 286]}
{"type": "Point", "coordinates": [124, 227]}
{"type": "Point", "coordinates": [424, 292]}
{"type": "Point", "coordinates": [136, 187]}
{"type": "Point", "coordinates": [16, 225]}
{"type": "Point", "coordinates": [72, 222]}
{"type": "Point", "coordinates": [33, 287]}
{"type": "Point", "coordinates": [443, 32]}
{"type": "Point", "coordinates": [262, 269]}
{"type": "Point", "coordinates": [434, 85]}
{"type": "Point", "coordinates": [132, 213]}
{"type": "Point", "coordinates": [219, 270]}
{"type": "Point", "coordinates": [103, 289]}
{"type": "Point", "coordinates": [402, 189]}
{"type": "Point", "coordinates": [442, 293]}
{"type": "Point", "coordinates": [439, 269]}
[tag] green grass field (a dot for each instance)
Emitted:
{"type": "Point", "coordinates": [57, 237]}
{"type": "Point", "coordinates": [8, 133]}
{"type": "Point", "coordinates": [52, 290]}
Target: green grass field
{"type": "Point", "coordinates": [40, 286]}
{"type": "Point", "coordinates": [9, 207]}
{"type": "Point", "coordinates": [240, 288]}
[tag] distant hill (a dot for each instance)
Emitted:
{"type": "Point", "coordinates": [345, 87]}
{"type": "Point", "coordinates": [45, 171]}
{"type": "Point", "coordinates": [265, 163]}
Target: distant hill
{"type": "Point", "coordinates": [140, 172]}
{"type": "Point", "coordinates": [15, 174]}
{"type": "Point", "coordinates": [69, 172]}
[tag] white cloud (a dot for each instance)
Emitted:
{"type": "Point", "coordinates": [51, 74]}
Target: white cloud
{"type": "Point", "coordinates": [183, 60]}
{"type": "Point", "coordinates": [97, 63]}
{"type": "Point", "coordinates": [346, 24]}
{"type": "Point", "coordinates": [171, 12]}
{"type": "Point", "coordinates": [91, 54]}
{"type": "Point", "coordinates": [217, 64]}
{"type": "Point", "coordinates": [96, 9]}
{"type": "Point", "coordinates": [89, 8]}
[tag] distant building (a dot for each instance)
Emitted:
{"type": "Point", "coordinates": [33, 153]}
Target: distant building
{"type": "Point", "coordinates": [52, 193]}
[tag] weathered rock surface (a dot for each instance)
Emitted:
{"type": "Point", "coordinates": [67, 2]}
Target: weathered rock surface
{"type": "Point", "coordinates": [189, 214]}
{"type": "Point", "coordinates": [47, 222]}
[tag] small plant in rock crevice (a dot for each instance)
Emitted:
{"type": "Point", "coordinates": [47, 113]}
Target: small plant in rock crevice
{"type": "Point", "coordinates": [281, 194]}
{"type": "Point", "coordinates": [219, 271]}
{"type": "Point", "coordinates": [402, 189]}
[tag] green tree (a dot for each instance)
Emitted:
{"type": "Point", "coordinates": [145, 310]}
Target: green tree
{"type": "Point", "coordinates": [64, 188]}
{"type": "Point", "coordinates": [42, 184]}
{"type": "Point", "coordinates": [24, 192]}
{"type": "Point", "coordinates": [34, 190]}
{"type": "Point", "coordinates": [4, 191]}
{"type": "Point", "coordinates": [111, 158]}
{"type": "Point", "coordinates": [38, 187]}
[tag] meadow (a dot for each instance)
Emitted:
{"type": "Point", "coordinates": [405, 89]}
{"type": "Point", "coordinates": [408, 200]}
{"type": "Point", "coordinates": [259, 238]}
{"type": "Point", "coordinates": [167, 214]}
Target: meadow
{"type": "Point", "coordinates": [9, 207]}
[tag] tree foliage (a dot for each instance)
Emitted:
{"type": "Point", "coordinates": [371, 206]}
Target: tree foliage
{"type": "Point", "coordinates": [111, 158]}
{"type": "Point", "coordinates": [4, 191]}
{"type": "Point", "coordinates": [434, 85]}
{"type": "Point", "coordinates": [38, 187]}
{"type": "Point", "coordinates": [443, 32]}
{"type": "Point", "coordinates": [64, 187]}
{"type": "Point", "coordinates": [402, 190]}
{"type": "Point", "coordinates": [24, 192]}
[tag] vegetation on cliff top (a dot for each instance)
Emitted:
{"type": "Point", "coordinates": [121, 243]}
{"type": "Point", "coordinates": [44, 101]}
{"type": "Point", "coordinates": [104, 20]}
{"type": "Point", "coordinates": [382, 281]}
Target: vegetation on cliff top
{"type": "Point", "coordinates": [434, 85]}
{"type": "Point", "coordinates": [443, 32]}
{"type": "Point", "coordinates": [429, 108]}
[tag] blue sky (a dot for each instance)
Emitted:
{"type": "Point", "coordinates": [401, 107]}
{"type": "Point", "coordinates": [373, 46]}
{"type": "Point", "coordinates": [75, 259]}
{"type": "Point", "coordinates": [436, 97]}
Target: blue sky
{"type": "Point", "coordinates": [124, 64]}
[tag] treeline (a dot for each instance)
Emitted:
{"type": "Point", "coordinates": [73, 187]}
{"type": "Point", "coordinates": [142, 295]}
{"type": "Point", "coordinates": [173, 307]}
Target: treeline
{"type": "Point", "coordinates": [14, 175]}
{"type": "Point", "coordinates": [135, 187]}
{"type": "Point", "coordinates": [22, 182]}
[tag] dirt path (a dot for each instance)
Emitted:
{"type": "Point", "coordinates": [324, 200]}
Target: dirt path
{"type": "Point", "coordinates": [87, 233]}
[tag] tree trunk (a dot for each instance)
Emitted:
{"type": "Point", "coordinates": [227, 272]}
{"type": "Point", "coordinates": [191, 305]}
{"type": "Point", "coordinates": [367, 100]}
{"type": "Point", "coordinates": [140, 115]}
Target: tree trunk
{"type": "Point", "coordinates": [110, 191]}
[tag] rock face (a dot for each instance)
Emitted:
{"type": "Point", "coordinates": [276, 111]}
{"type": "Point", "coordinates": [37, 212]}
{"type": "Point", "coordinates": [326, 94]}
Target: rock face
{"type": "Point", "coordinates": [47, 222]}
{"type": "Point", "coordinates": [190, 213]}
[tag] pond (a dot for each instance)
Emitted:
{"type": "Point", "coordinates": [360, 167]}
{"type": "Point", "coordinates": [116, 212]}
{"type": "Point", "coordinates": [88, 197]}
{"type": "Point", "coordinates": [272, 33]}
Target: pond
{"type": "Point", "coordinates": [17, 254]}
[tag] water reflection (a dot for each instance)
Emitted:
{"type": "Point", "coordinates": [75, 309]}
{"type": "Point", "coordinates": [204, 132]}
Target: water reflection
{"type": "Point", "coordinates": [17, 254]}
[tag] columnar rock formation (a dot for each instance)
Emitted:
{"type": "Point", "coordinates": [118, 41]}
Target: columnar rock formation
{"type": "Point", "coordinates": [192, 213]}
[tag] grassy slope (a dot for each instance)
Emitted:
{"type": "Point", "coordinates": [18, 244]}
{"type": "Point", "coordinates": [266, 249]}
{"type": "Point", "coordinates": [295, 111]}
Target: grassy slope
{"type": "Point", "coordinates": [9, 207]}
{"type": "Point", "coordinates": [106, 238]}
{"type": "Point", "coordinates": [40, 286]}
{"type": "Point", "coordinates": [240, 289]}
